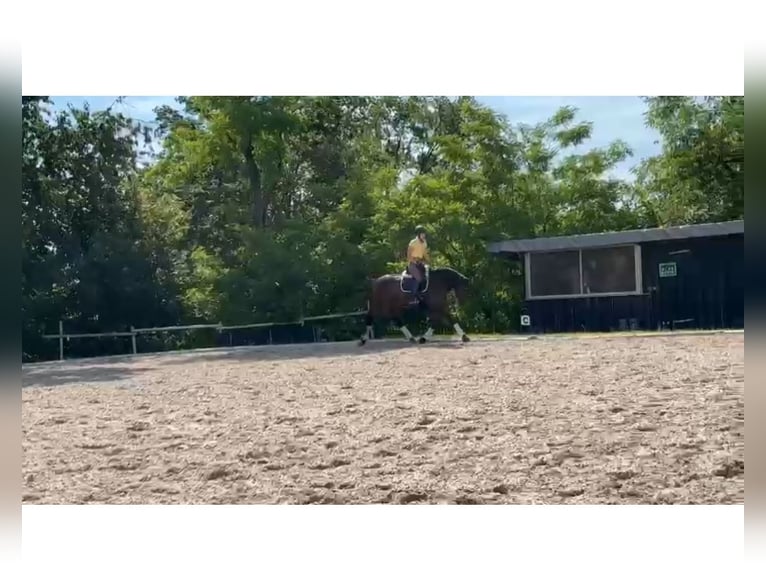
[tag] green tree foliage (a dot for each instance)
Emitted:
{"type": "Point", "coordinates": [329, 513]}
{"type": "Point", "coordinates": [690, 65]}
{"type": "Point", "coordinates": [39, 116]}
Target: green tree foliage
{"type": "Point", "coordinates": [84, 258]}
{"type": "Point", "coordinates": [700, 175]}
{"type": "Point", "coordinates": [273, 208]}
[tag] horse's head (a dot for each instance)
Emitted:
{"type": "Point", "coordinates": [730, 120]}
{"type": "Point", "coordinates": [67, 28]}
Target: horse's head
{"type": "Point", "coordinates": [454, 281]}
{"type": "Point", "coordinates": [460, 286]}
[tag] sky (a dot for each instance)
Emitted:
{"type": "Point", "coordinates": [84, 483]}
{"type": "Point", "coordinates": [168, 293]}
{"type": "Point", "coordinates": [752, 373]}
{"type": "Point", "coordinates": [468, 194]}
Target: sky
{"type": "Point", "coordinates": [613, 117]}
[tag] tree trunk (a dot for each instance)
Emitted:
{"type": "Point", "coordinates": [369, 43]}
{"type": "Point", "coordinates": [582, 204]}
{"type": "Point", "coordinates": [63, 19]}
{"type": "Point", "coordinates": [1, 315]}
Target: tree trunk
{"type": "Point", "coordinates": [257, 206]}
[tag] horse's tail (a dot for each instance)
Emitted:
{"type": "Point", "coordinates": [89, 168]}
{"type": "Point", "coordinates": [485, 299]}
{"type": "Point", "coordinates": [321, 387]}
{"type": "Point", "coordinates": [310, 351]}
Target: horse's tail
{"type": "Point", "coordinates": [370, 288]}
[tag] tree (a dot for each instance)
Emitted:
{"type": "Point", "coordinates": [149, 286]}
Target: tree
{"type": "Point", "coordinates": [273, 208]}
{"type": "Point", "coordinates": [699, 177]}
{"type": "Point", "coordinates": [83, 256]}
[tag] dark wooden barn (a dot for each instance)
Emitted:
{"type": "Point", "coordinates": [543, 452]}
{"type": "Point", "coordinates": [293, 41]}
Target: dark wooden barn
{"type": "Point", "coordinates": [671, 278]}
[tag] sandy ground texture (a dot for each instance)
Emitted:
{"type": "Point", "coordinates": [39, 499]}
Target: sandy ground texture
{"type": "Point", "coordinates": [547, 421]}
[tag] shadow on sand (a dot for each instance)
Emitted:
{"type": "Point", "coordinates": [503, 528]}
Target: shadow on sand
{"type": "Point", "coordinates": [302, 351]}
{"type": "Point", "coordinates": [113, 370]}
{"type": "Point", "coordinates": [62, 374]}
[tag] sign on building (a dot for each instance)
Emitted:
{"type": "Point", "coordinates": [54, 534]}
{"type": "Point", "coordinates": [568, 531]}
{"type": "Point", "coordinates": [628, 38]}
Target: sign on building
{"type": "Point", "coordinates": [668, 269]}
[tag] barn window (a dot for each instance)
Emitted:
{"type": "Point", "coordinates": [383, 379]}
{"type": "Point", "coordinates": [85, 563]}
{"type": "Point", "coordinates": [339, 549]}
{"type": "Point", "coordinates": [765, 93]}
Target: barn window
{"type": "Point", "coordinates": [609, 270]}
{"type": "Point", "coordinates": [591, 272]}
{"type": "Point", "coordinates": [555, 273]}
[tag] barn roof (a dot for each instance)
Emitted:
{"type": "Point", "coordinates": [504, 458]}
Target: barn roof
{"type": "Point", "coordinates": [617, 237]}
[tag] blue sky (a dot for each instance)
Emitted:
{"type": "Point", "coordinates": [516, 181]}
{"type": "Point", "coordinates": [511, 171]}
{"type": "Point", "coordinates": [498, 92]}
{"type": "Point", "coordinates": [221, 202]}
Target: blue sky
{"type": "Point", "coordinates": [613, 117]}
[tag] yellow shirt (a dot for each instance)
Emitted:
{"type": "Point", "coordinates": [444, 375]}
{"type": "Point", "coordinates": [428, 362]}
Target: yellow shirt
{"type": "Point", "coordinates": [417, 250]}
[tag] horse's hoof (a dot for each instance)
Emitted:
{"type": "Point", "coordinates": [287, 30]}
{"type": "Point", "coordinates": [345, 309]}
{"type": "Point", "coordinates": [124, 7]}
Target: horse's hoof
{"type": "Point", "coordinates": [361, 343]}
{"type": "Point", "coordinates": [422, 340]}
{"type": "Point", "coordinates": [465, 339]}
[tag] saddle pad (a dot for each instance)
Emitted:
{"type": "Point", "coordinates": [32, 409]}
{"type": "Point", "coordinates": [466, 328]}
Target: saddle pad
{"type": "Point", "coordinates": [408, 283]}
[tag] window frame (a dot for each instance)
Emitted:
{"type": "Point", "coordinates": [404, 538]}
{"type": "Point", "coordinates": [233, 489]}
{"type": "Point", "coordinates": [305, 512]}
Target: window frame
{"type": "Point", "coordinates": [638, 274]}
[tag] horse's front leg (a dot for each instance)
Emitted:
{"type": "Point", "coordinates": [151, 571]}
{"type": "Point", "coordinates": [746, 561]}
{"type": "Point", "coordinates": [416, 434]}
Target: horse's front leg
{"type": "Point", "coordinates": [458, 329]}
{"type": "Point", "coordinates": [405, 331]}
{"type": "Point", "coordinates": [432, 318]}
{"type": "Point", "coordinates": [435, 317]}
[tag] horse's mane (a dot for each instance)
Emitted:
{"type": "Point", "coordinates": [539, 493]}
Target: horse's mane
{"type": "Point", "coordinates": [448, 271]}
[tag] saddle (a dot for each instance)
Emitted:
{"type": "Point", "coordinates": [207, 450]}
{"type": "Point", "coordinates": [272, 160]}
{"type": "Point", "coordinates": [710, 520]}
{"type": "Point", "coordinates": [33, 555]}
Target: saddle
{"type": "Point", "coordinates": [409, 284]}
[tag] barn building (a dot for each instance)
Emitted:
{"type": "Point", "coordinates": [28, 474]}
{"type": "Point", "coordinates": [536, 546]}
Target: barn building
{"type": "Point", "coordinates": [690, 276]}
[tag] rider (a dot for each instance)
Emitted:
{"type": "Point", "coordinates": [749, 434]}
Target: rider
{"type": "Point", "coordinates": [417, 256]}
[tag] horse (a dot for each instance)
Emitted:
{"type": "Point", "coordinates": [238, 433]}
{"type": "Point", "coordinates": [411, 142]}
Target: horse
{"type": "Point", "coordinates": [394, 294]}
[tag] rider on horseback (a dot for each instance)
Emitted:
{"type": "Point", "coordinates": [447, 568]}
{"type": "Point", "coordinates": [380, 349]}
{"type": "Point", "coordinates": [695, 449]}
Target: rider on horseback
{"type": "Point", "coordinates": [417, 256]}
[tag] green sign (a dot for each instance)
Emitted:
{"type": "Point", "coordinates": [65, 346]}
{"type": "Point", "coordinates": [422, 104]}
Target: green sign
{"type": "Point", "coordinates": [668, 269]}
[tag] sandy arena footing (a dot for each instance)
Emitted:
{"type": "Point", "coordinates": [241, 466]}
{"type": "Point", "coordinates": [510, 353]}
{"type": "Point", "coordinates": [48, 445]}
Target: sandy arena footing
{"type": "Point", "coordinates": [555, 420]}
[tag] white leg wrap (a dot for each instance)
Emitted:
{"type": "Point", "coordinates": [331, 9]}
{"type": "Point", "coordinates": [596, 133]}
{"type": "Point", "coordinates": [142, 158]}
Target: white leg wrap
{"type": "Point", "coordinates": [370, 332]}
{"type": "Point", "coordinates": [407, 333]}
{"type": "Point", "coordinates": [428, 334]}
{"type": "Point", "coordinates": [458, 330]}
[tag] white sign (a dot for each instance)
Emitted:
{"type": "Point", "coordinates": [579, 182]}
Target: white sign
{"type": "Point", "coordinates": [668, 269]}
{"type": "Point", "coordinates": [525, 322]}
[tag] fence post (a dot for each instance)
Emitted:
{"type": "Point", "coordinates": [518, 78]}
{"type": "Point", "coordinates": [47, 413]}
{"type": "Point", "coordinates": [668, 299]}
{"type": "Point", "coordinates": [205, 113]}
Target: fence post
{"type": "Point", "coordinates": [133, 337]}
{"type": "Point", "coordinates": [61, 340]}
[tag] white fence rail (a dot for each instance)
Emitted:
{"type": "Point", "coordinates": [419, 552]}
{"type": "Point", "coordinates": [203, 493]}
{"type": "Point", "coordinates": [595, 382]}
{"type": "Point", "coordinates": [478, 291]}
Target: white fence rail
{"type": "Point", "coordinates": [133, 333]}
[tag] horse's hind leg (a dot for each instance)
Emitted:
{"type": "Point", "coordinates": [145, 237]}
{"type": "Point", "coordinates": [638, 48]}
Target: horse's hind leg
{"type": "Point", "coordinates": [403, 328]}
{"type": "Point", "coordinates": [369, 332]}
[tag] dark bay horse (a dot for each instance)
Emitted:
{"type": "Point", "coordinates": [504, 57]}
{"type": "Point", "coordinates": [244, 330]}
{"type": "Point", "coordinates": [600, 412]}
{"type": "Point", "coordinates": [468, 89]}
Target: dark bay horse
{"type": "Point", "coordinates": [389, 301]}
